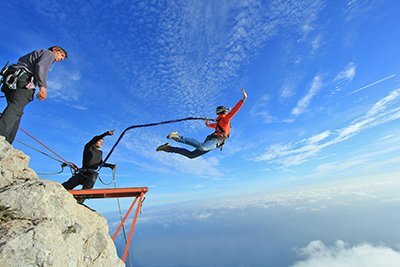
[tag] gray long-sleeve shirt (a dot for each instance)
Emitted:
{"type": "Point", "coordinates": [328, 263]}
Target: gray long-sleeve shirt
{"type": "Point", "coordinates": [38, 63]}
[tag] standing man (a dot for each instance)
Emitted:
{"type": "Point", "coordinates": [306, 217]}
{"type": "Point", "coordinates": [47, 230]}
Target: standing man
{"type": "Point", "coordinates": [92, 160]}
{"type": "Point", "coordinates": [222, 128]}
{"type": "Point", "coordinates": [19, 83]}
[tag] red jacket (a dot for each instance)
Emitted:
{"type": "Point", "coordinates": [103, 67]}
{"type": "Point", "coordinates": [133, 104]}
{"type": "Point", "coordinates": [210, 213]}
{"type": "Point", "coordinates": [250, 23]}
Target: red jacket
{"type": "Point", "coordinates": [224, 120]}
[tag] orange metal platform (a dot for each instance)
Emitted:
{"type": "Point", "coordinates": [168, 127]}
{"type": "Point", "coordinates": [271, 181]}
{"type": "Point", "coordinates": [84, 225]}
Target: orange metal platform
{"type": "Point", "coordinates": [136, 192]}
{"type": "Point", "coordinates": [109, 192]}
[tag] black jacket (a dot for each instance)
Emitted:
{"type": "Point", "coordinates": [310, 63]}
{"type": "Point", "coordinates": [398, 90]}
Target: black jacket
{"type": "Point", "coordinates": [92, 156]}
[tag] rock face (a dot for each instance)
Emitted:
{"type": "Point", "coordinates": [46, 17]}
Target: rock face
{"type": "Point", "coordinates": [42, 225]}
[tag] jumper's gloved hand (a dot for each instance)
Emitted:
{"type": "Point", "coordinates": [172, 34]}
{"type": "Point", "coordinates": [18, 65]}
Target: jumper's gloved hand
{"type": "Point", "coordinates": [244, 95]}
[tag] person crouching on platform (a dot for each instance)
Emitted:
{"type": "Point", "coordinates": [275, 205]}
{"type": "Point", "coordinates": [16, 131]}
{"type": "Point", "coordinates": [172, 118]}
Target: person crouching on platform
{"type": "Point", "coordinates": [92, 159]}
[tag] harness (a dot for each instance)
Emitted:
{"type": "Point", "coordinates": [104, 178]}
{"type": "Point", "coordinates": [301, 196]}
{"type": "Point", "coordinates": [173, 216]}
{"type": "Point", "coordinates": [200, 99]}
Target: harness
{"type": "Point", "coordinates": [219, 134]}
{"type": "Point", "coordinates": [10, 76]}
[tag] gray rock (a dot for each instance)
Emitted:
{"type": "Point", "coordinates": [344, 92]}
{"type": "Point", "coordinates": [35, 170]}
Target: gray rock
{"type": "Point", "coordinates": [41, 224]}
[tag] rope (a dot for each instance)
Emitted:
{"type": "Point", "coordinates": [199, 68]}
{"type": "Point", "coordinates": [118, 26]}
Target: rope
{"type": "Point", "coordinates": [48, 148]}
{"type": "Point", "coordinates": [120, 212]}
{"type": "Point", "coordinates": [113, 178]}
{"type": "Point", "coordinates": [53, 173]}
{"type": "Point", "coordinates": [37, 150]}
{"type": "Point", "coordinates": [148, 125]}
{"type": "Point", "coordinates": [63, 164]}
{"type": "Point", "coordinates": [64, 161]}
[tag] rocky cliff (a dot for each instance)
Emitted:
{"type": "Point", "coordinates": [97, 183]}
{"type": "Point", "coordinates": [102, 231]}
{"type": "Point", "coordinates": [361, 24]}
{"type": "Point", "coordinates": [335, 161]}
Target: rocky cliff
{"type": "Point", "coordinates": [42, 225]}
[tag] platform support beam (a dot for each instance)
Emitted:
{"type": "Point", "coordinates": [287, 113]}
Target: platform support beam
{"type": "Point", "coordinates": [132, 230]}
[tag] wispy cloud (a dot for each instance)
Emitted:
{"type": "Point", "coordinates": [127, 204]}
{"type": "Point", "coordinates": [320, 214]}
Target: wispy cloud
{"type": "Point", "coordinates": [159, 58]}
{"type": "Point", "coordinates": [347, 74]}
{"type": "Point", "coordinates": [342, 254]}
{"type": "Point", "coordinates": [260, 109]}
{"type": "Point", "coordinates": [343, 77]}
{"type": "Point", "coordinates": [356, 8]}
{"type": "Point", "coordinates": [63, 84]}
{"type": "Point", "coordinates": [360, 160]}
{"type": "Point", "coordinates": [316, 43]}
{"type": "Point", "coordinates": [304, 102]}
{"type": "Point", "coordinates": [385, 110]}
{"type": "Point", "coordinates": [287, 90]}
{"type": "Point", "coordinates": [289, 85]}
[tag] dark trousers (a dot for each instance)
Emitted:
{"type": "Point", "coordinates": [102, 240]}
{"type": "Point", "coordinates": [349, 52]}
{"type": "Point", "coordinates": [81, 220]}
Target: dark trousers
{"type": "Point", "coordinates": [87, 180]}
{"type": "Point", "coordinates": [11, 116]}
{"type": "Point", "coordinates": [187, 153]}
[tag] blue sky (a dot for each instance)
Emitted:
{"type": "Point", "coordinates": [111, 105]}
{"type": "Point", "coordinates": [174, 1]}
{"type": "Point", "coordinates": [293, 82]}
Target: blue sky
{"type": "Point", "coordinates": [322, 78]}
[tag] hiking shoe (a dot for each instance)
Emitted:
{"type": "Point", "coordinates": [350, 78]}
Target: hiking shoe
{"type": "Point", "coordinates": [163, 147]}
{"type": "Point", "coordinates": [174, 136]}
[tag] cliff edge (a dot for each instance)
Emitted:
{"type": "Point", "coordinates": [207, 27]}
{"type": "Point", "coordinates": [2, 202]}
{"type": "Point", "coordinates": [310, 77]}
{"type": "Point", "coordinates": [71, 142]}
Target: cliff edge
{"type": "Point", "coordinates": [42, 225]}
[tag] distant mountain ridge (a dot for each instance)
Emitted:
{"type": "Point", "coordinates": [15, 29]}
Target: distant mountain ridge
{"type": "Point", "coordinates": [42, 225]}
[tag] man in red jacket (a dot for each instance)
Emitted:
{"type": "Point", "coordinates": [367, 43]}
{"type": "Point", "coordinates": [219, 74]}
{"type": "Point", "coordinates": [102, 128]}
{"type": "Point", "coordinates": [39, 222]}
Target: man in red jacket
{"type": "Point", "coordinates": [222, 128]}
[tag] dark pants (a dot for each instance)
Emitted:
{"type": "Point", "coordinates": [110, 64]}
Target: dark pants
{"type": "Point", "coordinates": [87, 180]}
{"type": "Point", "coordinates": [11, 116]}
{"type": "Point", "coordinates": [187, 153]}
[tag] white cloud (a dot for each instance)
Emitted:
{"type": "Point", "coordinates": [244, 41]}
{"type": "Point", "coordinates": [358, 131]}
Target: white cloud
{"type": "Point", "coordinates": [265, 116]}
{"type": "Point", "coordinates": [319, 137]}
{"type": "Point", "coordinates": [182, 50]}
{"type": "Point", "coordinates": [316, 43]}
{"type": "Point", "coordinates": [305, 101]}
{"type": "Point", "coordinates": [343, 255]}
{"type": "Point", "coordinates": [380, 106]}
{"type": "Point", "coordinates": [260, 109]}
{"type": "Point", "coordinates": [202, 215]}
{"type": "Point", "coordinates": [276, 151]}
{"type": "Point", "coordinates": [383, 111]}
{"type": "Point", "coordinates": [343, 77]}
{"type": "Point", "coordinates": [287, 90]}
{"type": "Point", "coordinates": [62, 84]}
{"type": "Point", "coordinates": [347, 74]}
{"type": "Point", "coordinates": [355, 8]}
{"type": "Point", "coordinates": [307, 28]}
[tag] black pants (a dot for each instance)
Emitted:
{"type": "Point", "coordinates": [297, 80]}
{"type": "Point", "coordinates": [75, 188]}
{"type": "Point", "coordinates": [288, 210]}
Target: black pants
{"type": "Point", "coordinates": [87, 180]}
{"type": "Point", "coordinates": [187, 153]}
{"type": "Point", "coordinates": [12, 114]}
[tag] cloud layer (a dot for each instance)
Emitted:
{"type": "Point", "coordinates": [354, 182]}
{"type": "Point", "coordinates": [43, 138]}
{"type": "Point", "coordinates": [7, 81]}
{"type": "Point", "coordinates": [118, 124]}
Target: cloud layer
{"type": "Point", "coordinates": [342, 254]}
